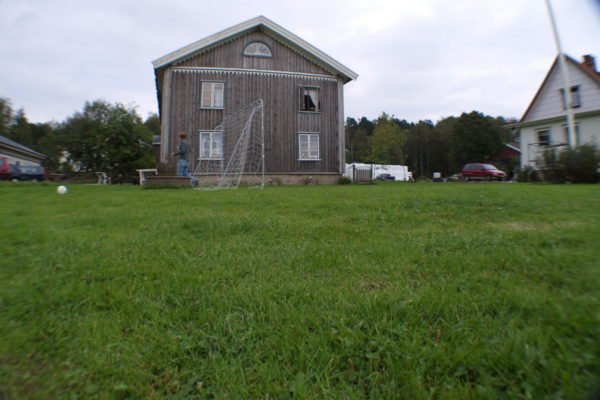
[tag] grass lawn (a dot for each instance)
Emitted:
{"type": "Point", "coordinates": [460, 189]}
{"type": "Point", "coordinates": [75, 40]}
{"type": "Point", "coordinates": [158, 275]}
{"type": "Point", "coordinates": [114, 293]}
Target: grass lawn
{"type": "Point", "coordinates": [412, 291]}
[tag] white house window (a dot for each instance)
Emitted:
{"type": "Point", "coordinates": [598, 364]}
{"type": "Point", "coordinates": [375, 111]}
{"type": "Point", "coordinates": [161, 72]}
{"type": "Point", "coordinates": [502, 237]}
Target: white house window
{"type": "Point", "coordinates": [575, 97]}
{"type": "Point", "coordinates": [544, 137]}
{"type": "Point", "coordinates": [211, 146]}
{"type": "Point", "coordinates": [257, 49]}
{"type": "Point", "coordinates": [212, 95]}
{"type": "Point", "coordinates": [310, 99]}
{"type": "Point", "coordinates": [308, 145]}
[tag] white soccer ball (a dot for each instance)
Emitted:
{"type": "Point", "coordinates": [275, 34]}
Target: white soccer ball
{"type": "Point", "coordinates": [61, 189]}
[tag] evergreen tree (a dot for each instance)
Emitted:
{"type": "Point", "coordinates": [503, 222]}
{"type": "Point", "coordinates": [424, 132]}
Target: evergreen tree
{"type": "Point", "coordinates": [6, 117]}
{"type": "Point", "coordinates": [20, 131]}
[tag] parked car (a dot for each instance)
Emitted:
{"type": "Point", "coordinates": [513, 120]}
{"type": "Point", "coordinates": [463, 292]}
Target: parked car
{"type": "Point", "coordinates": [482, 171]}
{"type": "Point", "coordinates": [385, 177]}
{"type": "Point", "coordinates": [8, 171]}
{"type": "Point", "coordinates": [32, 173]}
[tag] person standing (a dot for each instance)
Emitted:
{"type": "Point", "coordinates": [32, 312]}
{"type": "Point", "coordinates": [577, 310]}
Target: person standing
{"type": "Point", "coordinates": [184, 158]}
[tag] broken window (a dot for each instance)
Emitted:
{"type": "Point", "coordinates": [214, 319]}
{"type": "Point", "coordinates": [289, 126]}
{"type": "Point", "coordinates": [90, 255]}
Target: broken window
{"type": "Point", "coordinates": [310, 99]}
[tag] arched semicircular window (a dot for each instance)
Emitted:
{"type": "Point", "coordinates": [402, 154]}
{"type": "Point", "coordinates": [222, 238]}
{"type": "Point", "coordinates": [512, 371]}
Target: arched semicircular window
{"type": "Point", "coordinates": [257, 49]}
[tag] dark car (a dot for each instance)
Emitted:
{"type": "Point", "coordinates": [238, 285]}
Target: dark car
{"type": "Point", "coordinates": [32, 173]}
{"type": "Point", "coordinates": [8, 171]}
{"type": "Point", "coordinates": [385, 177]}
{"type": "Point", "coordinates": [482, 171]}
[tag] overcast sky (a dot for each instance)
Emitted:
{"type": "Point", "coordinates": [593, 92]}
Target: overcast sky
{"type": "Point", "coordinates": [418, 59]}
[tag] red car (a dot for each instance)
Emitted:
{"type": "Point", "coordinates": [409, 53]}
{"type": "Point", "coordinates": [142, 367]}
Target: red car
{"type": "Point", "coordinates": [482, 171]}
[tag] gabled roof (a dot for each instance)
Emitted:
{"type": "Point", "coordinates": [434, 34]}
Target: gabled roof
{"type": "Point", "coordinates": [572, 62]}
{"type": "Point", "coordinates": [11, 144]}
{"type": "Point", "coordinates": [296, 42]}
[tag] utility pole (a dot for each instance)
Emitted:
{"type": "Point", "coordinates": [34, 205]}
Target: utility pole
{"type": "Point", "coordinates": [572, 138]}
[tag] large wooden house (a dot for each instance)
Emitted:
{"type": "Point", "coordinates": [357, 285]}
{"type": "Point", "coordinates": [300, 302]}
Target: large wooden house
{"type": "Point", "coordinates": [302, 89]}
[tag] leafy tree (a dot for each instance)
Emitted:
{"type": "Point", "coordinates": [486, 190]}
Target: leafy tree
{"type": "Point", "coordinates": [385, 146]}
{"type": "Point", "coordinates": [475, 138]}
{"type": "Point", "coordinates": [152, 122]}
{"type": "Point", "coordinates": [106, 137]}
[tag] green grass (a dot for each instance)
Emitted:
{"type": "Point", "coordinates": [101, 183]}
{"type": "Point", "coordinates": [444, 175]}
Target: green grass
{"type": "Point", "coordinates": [413, 291]}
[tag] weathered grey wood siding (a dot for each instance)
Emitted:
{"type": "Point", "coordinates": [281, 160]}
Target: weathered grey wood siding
{"type": "Point", "coordinates": [280, 93]}
{"type": "Point", "coordinates": [231, 55]}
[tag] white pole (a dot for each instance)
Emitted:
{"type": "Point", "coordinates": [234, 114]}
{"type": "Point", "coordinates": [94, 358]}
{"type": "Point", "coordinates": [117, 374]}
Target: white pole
{"type": "Point", "coordinates": [262, 140]}
{"type": "Point", "coordinates": [572, 138]}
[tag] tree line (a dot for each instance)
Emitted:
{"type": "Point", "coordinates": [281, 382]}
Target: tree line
{"type": "Point", "coordinates": [112, 137]}
{"type": "Point", "coordinates": [426, 147]}
{"type": "Point", "coordinates": [101, 137]}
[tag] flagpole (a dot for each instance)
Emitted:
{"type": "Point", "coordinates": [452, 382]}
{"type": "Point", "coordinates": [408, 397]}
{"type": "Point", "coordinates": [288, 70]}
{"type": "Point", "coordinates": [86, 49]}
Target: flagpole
{"type": "Point", "coordinates": [572, 138]}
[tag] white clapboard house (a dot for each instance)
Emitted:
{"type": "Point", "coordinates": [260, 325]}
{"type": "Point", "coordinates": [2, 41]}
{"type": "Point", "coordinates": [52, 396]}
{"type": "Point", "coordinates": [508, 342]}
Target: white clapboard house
{"type": "Point", "coordinates": [543, 125]}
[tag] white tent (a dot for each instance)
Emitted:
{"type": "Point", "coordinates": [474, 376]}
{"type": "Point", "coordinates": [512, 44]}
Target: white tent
{"type": "Point", "coordinates": [399, 172]}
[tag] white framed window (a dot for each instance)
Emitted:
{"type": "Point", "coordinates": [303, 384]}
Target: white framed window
{"type": "Point", "coordinates": [212, 95]}
{"type": "Point", "coordinates": [310, 99]}
{"type": "Point", "coordinates": [211, 145]}
{"type": "Point", "coordinates": [257, 49]}
{"type": "Point", "coordinates": [308, 146]}
{"type": "Point", "coordinates": [575, 97]}
{"type": "Point", "coordinates": [544, 137]}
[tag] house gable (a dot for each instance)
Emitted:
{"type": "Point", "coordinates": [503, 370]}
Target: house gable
{"type": "Point", "coordinates": [231, 55]}
{"type": "Point", "coordinates": [264, 24]}
{"type": "Point", "coordinates": [548, 103]}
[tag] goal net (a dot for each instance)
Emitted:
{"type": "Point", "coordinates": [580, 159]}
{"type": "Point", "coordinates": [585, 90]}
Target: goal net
{"type": "Point", "coordinates": [233, 152]}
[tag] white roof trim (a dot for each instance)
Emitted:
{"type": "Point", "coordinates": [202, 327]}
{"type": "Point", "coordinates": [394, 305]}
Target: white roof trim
{"type": "Point", "coordinates": [510, 146]}
{"type": "Point", "coordinates": [254, 22]}
{"type": "Point", "coordinates": [255, 72]}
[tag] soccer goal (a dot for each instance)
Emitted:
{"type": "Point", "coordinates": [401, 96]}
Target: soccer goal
{"type": "Point", "coordinates": [234, 152]}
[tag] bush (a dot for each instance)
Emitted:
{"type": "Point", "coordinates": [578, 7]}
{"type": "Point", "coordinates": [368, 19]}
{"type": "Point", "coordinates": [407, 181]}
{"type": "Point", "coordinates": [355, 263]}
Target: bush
{"type": "Point", "coordinates": [528, 174]}
{"type": "Point", "coordinates": [511, 167]}
{"type": "Point", "coordinates": [553, 170]}
{"type": "Point", "coordinates": [580, 164]}
{"type": "Point", "coordinates": [344, 180]}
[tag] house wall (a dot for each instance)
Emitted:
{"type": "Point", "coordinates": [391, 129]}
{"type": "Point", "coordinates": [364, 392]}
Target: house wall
{"type": "Point", "coordinates": [589, 132]}
{"type": "Point", "coordinates": [20, 156]}
{"type": "Point", "coordinates": [181, 112]}
{"type": "Point", "coordinates": [18, 159]}
{"type": "Point", "coordinates": [549, 103]}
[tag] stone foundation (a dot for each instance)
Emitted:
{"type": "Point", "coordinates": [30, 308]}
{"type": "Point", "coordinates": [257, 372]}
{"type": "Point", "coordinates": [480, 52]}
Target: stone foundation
{"type": "Point", "coordinates": [302, 179]}
{"type": "Point", "coordinates": [162, 180]}
{"type": "Point", "coordinates": [249, 180]}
